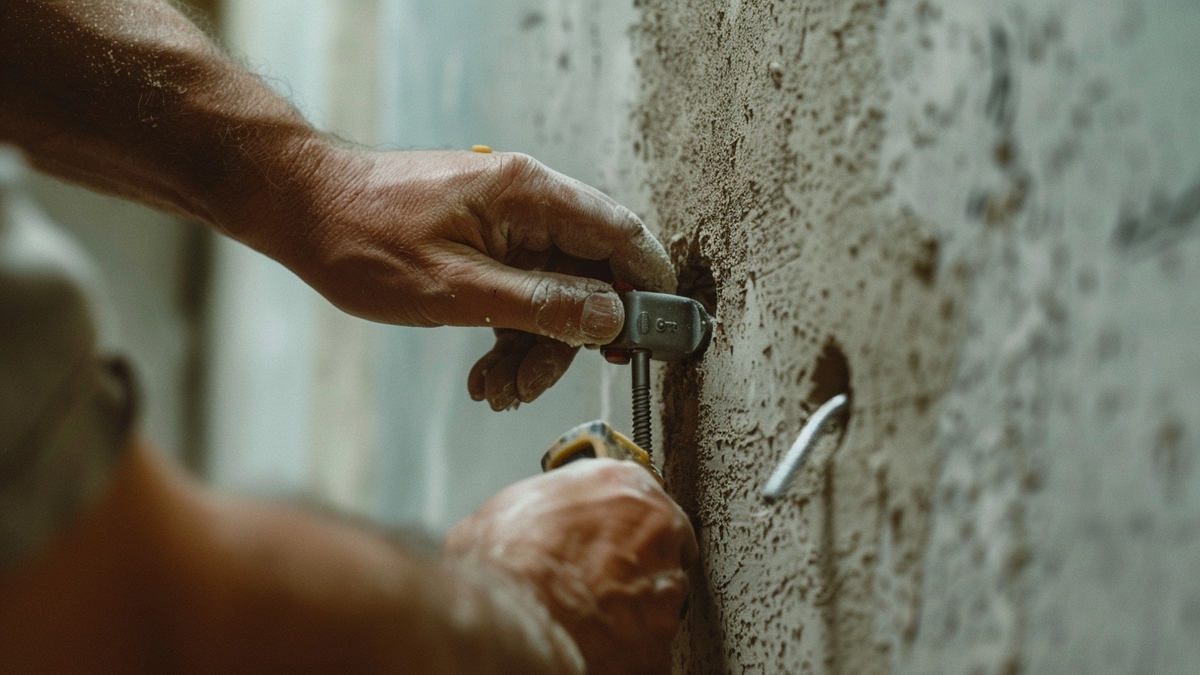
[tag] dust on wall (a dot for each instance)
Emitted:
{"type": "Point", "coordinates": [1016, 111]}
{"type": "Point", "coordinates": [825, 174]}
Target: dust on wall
{"type": "Point", "coordinates": [976, 218]}
{"type": "Point", "coordinates": [763, 125]}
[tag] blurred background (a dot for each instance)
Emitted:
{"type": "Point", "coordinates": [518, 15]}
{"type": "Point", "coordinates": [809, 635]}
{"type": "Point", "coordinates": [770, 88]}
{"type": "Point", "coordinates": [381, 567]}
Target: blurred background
{"type": "Point", "coordinates": [255, 382]}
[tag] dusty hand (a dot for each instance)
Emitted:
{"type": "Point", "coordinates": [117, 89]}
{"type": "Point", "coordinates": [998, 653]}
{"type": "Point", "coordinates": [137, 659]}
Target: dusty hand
{"type": "Point", "coordinates": [604, 548]}
{"type": "Point", "coordinates": [469, 239]}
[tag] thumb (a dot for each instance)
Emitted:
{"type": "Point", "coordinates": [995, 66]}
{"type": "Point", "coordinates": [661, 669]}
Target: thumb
{"type": "Point", "coordinates": [574, 310]}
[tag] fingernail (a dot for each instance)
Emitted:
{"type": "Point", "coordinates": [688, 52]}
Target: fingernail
{"type": "Point", "coordinates": [602, 316]}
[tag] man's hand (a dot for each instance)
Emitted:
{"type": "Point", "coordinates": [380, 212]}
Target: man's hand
{"type": "Point", "coordinates": [604, 548]}
{"type": "Point", "coordinates": [470, 239]}
{"type": "Point", "coordinates": [128, 97]}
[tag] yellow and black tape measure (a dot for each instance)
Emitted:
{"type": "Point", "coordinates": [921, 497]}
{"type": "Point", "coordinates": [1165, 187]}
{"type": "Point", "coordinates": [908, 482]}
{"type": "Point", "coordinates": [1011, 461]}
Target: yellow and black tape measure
{"type": "Point", "coordinates": [592, 440]}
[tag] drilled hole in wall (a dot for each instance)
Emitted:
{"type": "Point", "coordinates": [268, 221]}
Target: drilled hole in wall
{"type": "Point", "coordinates": [695, 274]}
{"type": "Point", "coordinates": [830, 377]}
{"type": "Point", "coordinates": [697, 283]}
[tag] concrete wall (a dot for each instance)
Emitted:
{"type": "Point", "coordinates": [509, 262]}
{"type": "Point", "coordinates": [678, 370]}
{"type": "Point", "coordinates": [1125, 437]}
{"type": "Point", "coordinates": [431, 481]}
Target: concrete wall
{"type": "Point", "coordinates": [1055, 149]}
{"type": "Point", "coordinates": [763, 126]}
{"type": "Point", "coordinates": [979, 219]}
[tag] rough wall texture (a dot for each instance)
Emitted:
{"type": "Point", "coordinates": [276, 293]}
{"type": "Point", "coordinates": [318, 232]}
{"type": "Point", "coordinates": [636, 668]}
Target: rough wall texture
{"type": "Point", "coordinates": [764, 125]}
{"type": "Point", "coordinates": [980, 219]}
{"type": "Point", "coordinates": [1055, 147]}
{"type": "Point", "coordinates": [975, 217]}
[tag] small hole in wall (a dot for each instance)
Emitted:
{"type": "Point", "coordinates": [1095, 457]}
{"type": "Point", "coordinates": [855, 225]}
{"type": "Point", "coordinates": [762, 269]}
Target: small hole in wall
{"type": "Point", "coordinates": [697, 282]}
{"type": "Point", "coordinates": [695, 274]}
{"type": "Point", "coordinates": [830, 375]}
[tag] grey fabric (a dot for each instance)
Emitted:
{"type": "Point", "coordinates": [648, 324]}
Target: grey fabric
{"type": "Point", "coordinates": [65, 411]}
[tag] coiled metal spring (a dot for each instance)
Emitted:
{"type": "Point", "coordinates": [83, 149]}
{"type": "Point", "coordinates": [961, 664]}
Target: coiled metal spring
{"type": "Point", "coordinates": [642, 434]}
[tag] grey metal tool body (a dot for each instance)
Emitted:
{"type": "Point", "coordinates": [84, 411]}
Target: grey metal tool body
{"type": "Point", "coordinates": [661, 327]}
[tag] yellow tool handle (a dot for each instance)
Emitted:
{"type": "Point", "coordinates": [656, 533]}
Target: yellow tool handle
{"type": "Point", "coordinates": [596, 439]}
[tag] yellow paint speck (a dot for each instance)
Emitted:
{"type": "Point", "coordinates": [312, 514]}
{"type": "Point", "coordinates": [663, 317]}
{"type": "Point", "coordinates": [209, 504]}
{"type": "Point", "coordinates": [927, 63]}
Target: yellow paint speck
{"type": "Point", "coordinates": [481, 149]}
{"type": "Point", "coordinates": [487, 319]}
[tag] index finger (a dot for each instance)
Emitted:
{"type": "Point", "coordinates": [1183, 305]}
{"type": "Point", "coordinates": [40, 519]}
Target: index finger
{"type": "Point", "coordinates": [541, 206]}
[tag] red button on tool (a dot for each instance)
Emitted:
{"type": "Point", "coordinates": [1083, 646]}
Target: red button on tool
{"type": "Point", "coordinates": [617, 356]}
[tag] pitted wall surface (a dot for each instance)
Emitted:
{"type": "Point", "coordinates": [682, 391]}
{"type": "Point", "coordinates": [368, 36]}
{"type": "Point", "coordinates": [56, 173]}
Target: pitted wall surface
{"type": "Point", "coordinates": [983, 215]}
{"type": "Point", "coordinates": [981, 220]}
{"type": "Point", "coordinates": [763, 125]}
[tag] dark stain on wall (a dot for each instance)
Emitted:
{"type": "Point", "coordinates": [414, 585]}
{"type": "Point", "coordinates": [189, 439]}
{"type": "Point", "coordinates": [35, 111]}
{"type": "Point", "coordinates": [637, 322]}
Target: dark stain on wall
{"type": "Point", "coordinates": [761, 125]}
{"type": "Point", "coordinates": [1164, 223]}
{"type": "Point", "coordinates": [830, 374]}
{"type": "Point", "coordinates": [925, 265]}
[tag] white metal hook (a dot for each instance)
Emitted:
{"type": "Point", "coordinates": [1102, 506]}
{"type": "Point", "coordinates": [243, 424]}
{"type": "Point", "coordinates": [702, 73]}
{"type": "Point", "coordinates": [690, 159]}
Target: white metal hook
{"type": "Point", "coordinates": [779, 481]}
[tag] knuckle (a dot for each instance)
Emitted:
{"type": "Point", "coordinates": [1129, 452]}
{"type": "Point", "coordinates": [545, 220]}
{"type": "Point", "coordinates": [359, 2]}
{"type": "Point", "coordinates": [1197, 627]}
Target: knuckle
{"type": "Point", "coordinates": [516, 168]}
{"type": "Point", "coordinates": [672, 583]}
{"type": "Point", "coordinates": [624, 473]}
{"type": "Point", "coordinates": [522, 163]}
{"type": "Point", "coordinates": [504, 181]}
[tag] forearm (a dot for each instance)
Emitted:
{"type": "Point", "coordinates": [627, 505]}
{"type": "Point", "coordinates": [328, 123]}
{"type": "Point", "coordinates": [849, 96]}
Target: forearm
{"type": "Point", "coordinates": [365, 608]}
{"type": "Point", "coordinates": [257, 588]}
{"type": "Point", "coordinates": [162, 577]}
{"type": "Point", "coordinates": [131, 98]}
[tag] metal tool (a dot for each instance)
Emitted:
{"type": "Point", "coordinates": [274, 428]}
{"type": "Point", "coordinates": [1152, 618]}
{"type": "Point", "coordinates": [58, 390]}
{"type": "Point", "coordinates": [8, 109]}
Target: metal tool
{"type": "Point", "coordinates": [661, 327]}
{"type": "Point", "coordinates": [657, 326]}
{"type": "Point", "coordinates": [779, 481]}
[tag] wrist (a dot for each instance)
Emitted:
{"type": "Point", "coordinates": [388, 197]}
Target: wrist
{"type": "Point", "coordinates": [270, 194]}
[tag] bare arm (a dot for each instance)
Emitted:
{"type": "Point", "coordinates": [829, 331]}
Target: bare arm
{"type": "Point", "coordinates": [128, 97]}
{"type": "Point", "coordinates": [163, 576]}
